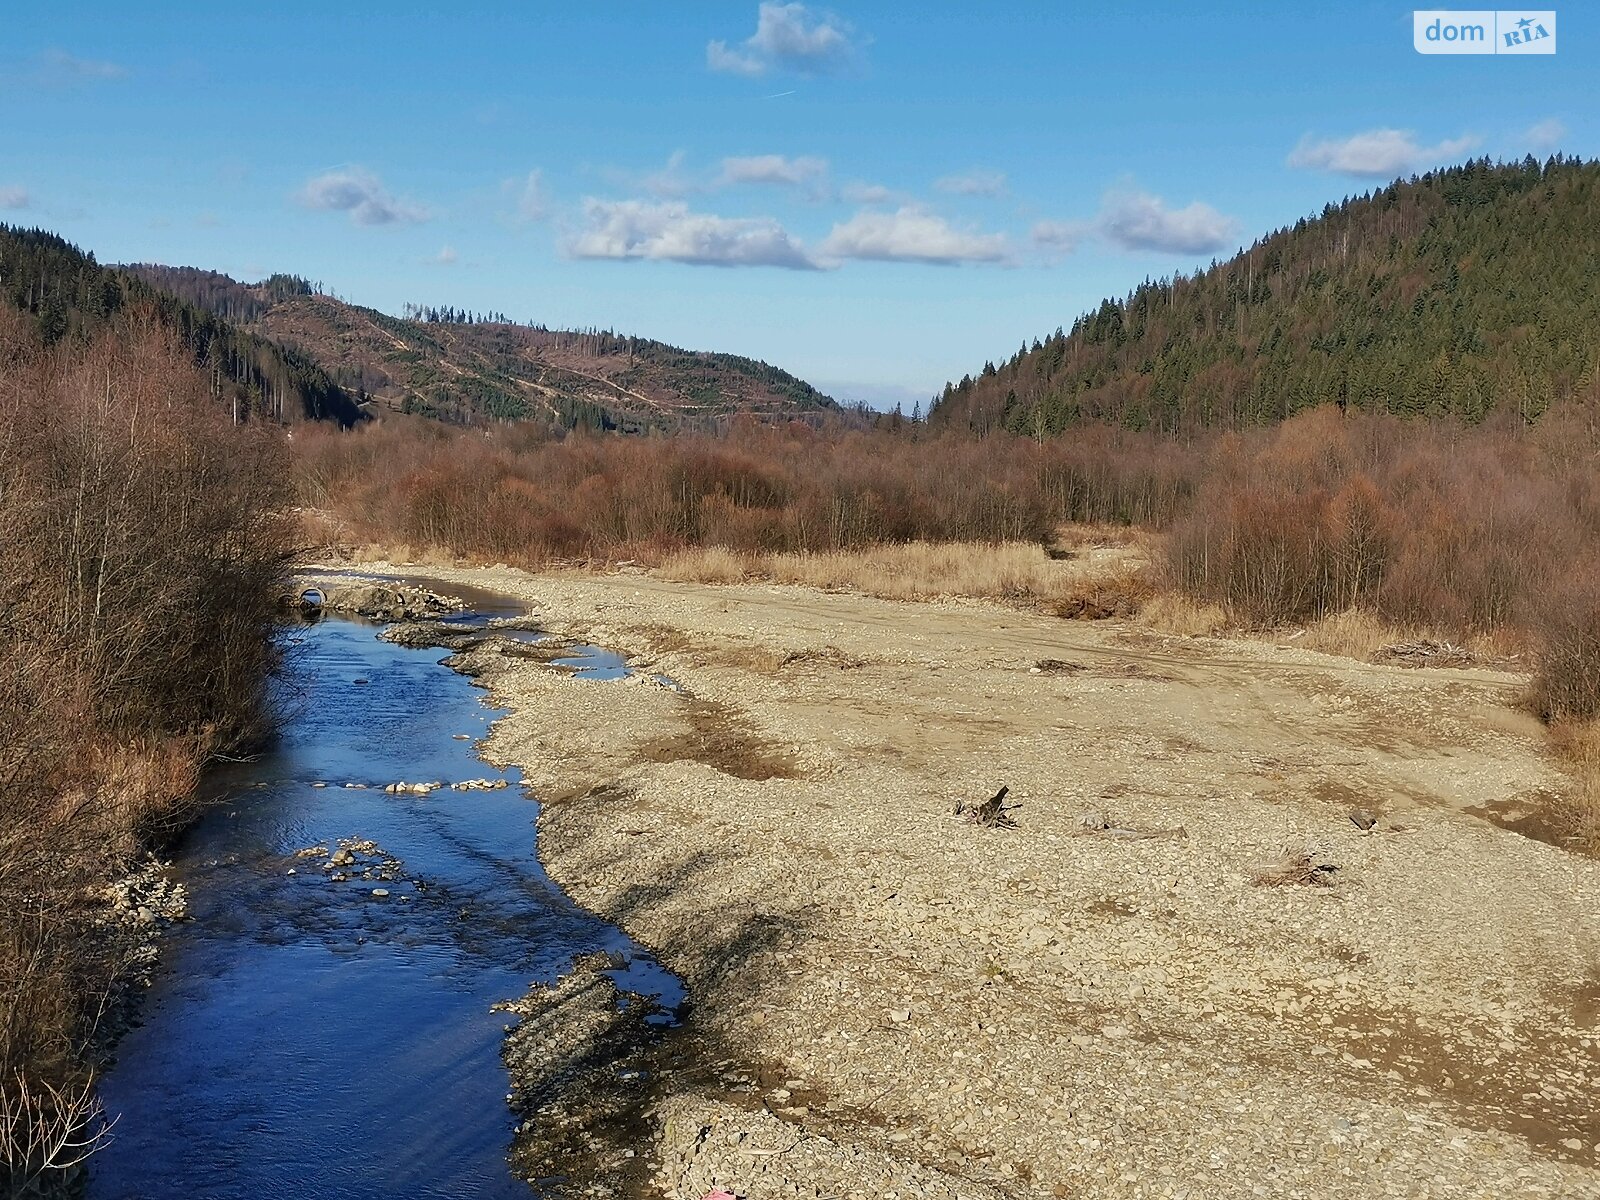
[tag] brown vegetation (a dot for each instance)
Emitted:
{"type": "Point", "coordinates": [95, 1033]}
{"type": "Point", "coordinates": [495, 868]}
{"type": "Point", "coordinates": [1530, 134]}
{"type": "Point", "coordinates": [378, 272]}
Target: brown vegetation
{"type": "Point", "coordinates": [508, 494]}
{"type": "Point", "coordinates": [139, 563]}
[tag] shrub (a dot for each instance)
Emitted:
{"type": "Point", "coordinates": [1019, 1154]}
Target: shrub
{"type": "Point", "coordinates": [144, 546]}
{"type": "Point", "coordinates": [1566, 621]}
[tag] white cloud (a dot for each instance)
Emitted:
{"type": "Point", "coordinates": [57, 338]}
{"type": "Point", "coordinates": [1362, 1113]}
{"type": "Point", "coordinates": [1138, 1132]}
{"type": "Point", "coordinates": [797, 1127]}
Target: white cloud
{"type": "Point", "coordinates": [1547, 134]}
{"type": "Point", "coordinates": [775, 169]}
{"type": "Point", "coordinates": [14, 197]}
{"type": "Point", "coordinates": [973, 183]}
{"type": "Point", "coordinates": [1139, 221]}
{"type": "Point", "coordinates": [361, 194]}
{"type": "Point", "coordinates": [1057, 237]}
{"type": "Point", "coordinates": [911, 235]}
{"type": "Point", "coordinates": [1375, 154]}
{"type": "Point", "coordinates": [788, 37]}
{"type": "Point", "coordinates": [447, 257]}
{"type": "Point", "coordinates": [532, 197]}
{"type": "Point", "coordinates": [59, 64]}
{"type": "Point", "coordinates": [866, 193]}
{"type": "Point", "coordinates": [637, 229]}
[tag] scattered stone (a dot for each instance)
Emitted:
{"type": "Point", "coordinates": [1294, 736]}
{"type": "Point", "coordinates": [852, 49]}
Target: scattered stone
{"type": "Point", "coordinates": [1093, 822]}
{"type": "Point", "coordinates": [418, 635]}
{"type": "Point", "coordinates": [583, 1072]}
{"type": "Point", "coordinates": [1056, 666]}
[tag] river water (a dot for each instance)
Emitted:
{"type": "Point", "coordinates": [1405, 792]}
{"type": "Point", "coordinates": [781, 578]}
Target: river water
{"type": "Point", "coordinates": [305, 1037]}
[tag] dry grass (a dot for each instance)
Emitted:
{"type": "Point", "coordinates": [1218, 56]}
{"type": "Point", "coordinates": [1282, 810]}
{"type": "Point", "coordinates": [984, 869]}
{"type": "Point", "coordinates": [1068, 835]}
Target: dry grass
{"type": "Point", "coordinates": [1361, 634]}
{"type": "Point", "coordinates": [1176, 613]}
{"type": "Point", "coordinates": [1352, 633]}
{"type": "Point", "coordinates": [1105, 583]}
{"type": "Point", "coordinates": [1077, 536]}
{"type": "Point", "coordinates": [1119, 591]}
{"type": "Point", "coordinates": [715, 564]}
{"type": "Point", "coordinates": [1575, 816]}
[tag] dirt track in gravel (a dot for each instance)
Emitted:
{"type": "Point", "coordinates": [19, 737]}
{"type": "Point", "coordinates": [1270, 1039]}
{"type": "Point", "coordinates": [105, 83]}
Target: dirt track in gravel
{"type": "Point", "coordinates": [892, 1001]}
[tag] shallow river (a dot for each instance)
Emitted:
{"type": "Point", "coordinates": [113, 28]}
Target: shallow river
{"type": "Point", "coordinates": [305, 1037]}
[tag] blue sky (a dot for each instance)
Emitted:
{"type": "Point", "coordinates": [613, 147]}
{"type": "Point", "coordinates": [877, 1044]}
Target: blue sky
{"type": "Point", "coordinates": [878, 197]}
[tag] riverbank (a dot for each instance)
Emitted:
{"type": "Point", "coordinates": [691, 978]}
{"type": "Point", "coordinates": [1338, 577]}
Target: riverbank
{"type": "Point", "coordinates": [1099, 999]}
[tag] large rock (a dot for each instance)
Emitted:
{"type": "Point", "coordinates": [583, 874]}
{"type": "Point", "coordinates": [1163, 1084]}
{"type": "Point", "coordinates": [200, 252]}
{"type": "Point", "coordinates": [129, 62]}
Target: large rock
{"type": "Point", "coordinates": [380, 601]}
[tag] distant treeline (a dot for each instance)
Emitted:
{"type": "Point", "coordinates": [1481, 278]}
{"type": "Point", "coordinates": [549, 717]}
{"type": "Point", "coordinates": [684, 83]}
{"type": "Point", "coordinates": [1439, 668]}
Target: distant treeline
{"type": "Point", "coordinates": [446, 315]}
{"type": "Point", "coordinates": [221, 294]}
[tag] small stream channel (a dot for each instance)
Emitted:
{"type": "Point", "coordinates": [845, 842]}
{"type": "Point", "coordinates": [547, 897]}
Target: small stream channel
{"type": "Point", "coordinates": [307, 1037]}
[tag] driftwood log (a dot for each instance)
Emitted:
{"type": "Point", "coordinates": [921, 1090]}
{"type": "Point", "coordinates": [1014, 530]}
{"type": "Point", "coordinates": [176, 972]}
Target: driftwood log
{"type": "Point", "coordinates": [1425, 653]}
{"type": "Point", "coordinates": [993, 812]}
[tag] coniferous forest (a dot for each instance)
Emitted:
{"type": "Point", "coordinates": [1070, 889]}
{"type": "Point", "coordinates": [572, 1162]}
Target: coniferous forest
{"type": "Point", "coordinates": [70, 295]}
{"type": "Point", "coordinates": [1451, 294]}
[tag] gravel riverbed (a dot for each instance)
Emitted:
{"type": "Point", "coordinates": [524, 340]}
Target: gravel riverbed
{"type": "Point", "coordinates": [1099, 998]}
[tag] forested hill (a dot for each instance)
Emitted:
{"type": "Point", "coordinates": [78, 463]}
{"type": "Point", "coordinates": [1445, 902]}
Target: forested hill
{"type": "Point", "coordinates": [70, 295]}
{"type": "Point", "coordinates": [1463, 290]}
{"type": "Point", "coordinates": [465, 368]}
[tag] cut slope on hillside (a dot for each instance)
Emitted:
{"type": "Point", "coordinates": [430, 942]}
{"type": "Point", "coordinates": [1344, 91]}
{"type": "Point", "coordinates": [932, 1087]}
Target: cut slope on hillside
{"type": "Point", "coordinates": [468, 371]}
{"type": "Point", "coordinates": [1458, 292]}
